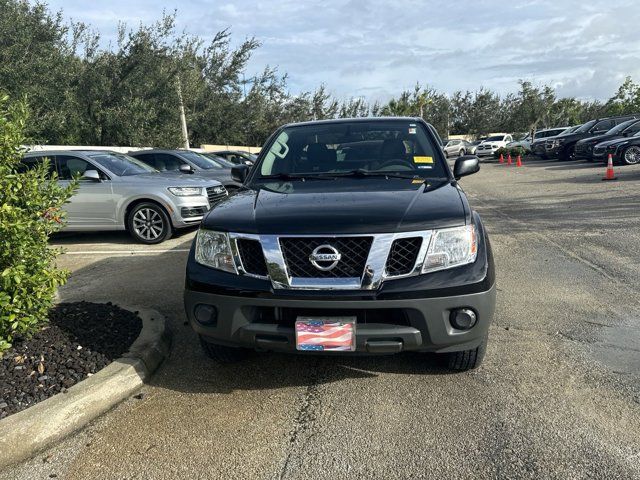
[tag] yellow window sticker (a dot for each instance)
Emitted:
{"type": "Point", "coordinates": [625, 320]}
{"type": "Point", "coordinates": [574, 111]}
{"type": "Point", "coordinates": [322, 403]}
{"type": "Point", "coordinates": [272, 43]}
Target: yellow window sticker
{"type": "Point", "coordinates": [417, 159]}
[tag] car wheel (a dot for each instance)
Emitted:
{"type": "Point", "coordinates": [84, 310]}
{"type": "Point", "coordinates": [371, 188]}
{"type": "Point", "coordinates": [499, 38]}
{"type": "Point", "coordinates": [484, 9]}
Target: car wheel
{"type": "Point", "coordinates": [222, 354]}
{"type": "Point", "coordinates": [446, 155]}
{"type": "Point", "coordinates": [461, 153]}
{"type": "Point", "coordinates": [631, 155]}
{"type": "Point", "coordinates": [565, 155]}
{"type": "Point", "coordinates": [467, 359]}
{"type": "Point", "coordinates": [149, 223]}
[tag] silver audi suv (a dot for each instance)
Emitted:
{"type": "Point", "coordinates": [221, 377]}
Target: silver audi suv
{"type": "Point", "coordinates": [117, 192]}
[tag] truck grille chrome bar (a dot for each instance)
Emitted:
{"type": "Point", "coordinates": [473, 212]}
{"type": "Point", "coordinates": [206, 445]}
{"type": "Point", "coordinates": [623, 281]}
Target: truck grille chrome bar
{"type": "Point", "coordinates": [306, 262]}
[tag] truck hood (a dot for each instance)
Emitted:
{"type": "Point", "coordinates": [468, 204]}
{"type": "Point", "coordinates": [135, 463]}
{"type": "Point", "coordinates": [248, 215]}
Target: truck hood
{"type": "Point", "coordinates": [340, 206]}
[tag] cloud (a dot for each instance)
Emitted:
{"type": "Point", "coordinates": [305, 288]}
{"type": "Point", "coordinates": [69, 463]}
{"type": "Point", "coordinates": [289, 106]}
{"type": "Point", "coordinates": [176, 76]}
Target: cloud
{"type": "Point", "coordinates": [377, 48]}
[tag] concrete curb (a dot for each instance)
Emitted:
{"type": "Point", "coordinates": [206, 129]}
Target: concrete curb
{"type": "Point", "coordinates": [26, 433]}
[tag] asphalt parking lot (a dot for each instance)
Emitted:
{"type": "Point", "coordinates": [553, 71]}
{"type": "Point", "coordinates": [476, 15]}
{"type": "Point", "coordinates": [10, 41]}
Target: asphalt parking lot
{"type": "Point", "coordinates": [557, 397]}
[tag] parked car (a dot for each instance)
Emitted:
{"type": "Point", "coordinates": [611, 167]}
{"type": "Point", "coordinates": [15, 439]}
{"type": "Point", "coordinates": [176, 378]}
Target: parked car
{"type": "Point", "coordinates": [118, 192]}
{"type": "Point", "coordinates": [563, 146]}
{"type": "Point", "coordinates": [351, 235]}
{"type": "Point", "coordinates": [237, 157]}
{"type": "Point", "coordinates": [584, 148]}
{"type": "Point", "coordinates": [456, 148]}
{"type": "Point", "coordinates": [493, 143]}
{"type": "Point", "coordinates": [186, 161]}
{"type": "Point", "coordinates": [623, 150]}
{"type": "Point", "coordinates": [473, 146]}
{"type": "Point", "coordinates": [538, 144]}
{"type": "Point", "coordinates": [526, 141]}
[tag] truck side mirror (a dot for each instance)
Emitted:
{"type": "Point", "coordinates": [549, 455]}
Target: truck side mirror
{"type": "Point", "coordinates": [466, 165]}
{"type": "Point", "coordinates": [239, 173]}
{"type": "Point", "coordinates": [184, 168]}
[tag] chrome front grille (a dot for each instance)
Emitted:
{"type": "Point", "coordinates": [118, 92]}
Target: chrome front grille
{"type": "Point", "coordinates": [353, 251]}
{"type": "Point", "coordinates": [358, 262]}
{"type": "Point", "coordinates": [215, 194]}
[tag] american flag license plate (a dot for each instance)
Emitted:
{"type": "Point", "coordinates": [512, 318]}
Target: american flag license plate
{"type": "Point", "coordinates": [326, 334]}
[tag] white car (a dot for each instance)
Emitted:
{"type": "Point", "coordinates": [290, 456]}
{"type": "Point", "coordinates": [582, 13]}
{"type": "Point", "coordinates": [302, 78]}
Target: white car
{"type": "Point", "coordinates": [526, 141]}
{"type": "Point", "coordinates": [493, 143]}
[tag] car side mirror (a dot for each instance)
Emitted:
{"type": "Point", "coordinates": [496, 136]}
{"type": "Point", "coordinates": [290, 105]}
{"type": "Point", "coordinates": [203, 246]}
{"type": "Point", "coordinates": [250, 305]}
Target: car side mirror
{"type": "Point", "coordinates": [91, 175]}
{"type": "Point", "coordinates": [466, 165]}
{"type": "Point", "coordinates": [239, 173]}
{"type": "Point", "coordinates": [184, 168]}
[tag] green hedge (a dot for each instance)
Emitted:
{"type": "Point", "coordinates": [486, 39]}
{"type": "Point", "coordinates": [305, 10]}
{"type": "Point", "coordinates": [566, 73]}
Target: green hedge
{"type": "Point", "coordinates": [514, 151]}
{"type": "Point", "coordinates": [30, 210]}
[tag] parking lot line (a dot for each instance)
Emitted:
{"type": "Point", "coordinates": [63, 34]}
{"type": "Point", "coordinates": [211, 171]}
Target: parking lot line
{"type": "Point", "coordinates": [127, 252]}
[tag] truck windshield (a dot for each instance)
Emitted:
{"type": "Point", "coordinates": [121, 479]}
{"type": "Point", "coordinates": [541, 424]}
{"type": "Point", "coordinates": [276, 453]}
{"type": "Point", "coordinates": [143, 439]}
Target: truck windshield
{"type": "Point", "coordinates": [321, 149]}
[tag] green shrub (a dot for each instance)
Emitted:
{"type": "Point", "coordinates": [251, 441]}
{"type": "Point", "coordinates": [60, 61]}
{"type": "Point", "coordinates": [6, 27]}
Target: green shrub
{"type": "Point", "coordinates": [514, 151]}
{"type": "Point", "coordinates": [30, 210]}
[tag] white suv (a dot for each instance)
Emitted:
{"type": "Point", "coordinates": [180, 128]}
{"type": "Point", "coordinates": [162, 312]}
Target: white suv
{"type": "Point", "coordinates": [493, 143]}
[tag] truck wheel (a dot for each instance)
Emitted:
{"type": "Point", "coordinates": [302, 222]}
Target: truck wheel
{"type": "Point", "coordinates": [467, 359]}
{"type": "Point", "coordinates": [631, 155]}
{"type": "Point", "coordinates": [148, 223]}
{"type": "Point", "coordinates": [222, 354]}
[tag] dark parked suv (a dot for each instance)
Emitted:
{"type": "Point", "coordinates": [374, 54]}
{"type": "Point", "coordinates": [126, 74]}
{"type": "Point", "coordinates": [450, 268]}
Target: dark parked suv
{"type": "Point", "coordinates": [350, 236]}
{"type": "Point", "coordinates": [563, 146]}
{"type": "Point", "coordinates": [584, 148]}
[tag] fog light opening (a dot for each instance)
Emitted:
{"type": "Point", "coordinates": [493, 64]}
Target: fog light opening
{"type": "Point", "coordinates": [463, 318]}
{"type": "Point", "coordinates": [206, 314]}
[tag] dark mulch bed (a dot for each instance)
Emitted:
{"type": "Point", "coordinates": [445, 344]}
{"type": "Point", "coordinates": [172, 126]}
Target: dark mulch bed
{"type": "Point", "coordinates": [80, 339]}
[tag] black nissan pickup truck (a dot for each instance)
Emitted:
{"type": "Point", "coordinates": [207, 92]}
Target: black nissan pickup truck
{"type": "Point", "coordinates": [348, 237]}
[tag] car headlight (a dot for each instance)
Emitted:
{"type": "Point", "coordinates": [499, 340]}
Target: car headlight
{"type": "Point", "coordinates": [451, 247]}
{"type": "Point", "coordinates": [213, 250]}
{"type": "Point", "coordinates": [186, 191]}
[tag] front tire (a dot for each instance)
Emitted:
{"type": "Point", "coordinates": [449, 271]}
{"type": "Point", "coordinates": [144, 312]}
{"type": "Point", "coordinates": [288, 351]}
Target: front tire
{"type": "Point", "coordinates": [461, 153]}
{"type": "Point", "coordinates": [467, 359]}
{"type": "Point", "coordinates": [148, 223]}
{"type": "Point", "coordinates": [222, 354]}
{"type": "Point", "coordinates": [631, 155]}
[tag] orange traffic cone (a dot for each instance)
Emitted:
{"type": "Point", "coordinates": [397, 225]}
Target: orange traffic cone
{"type": "Point", "coordinates": [519, 162]}
{"type": "Point", "coordinates": [509, 162]}
{"type": "Point", "coordinates": [501, 158]}
{"type": "Point", "coordinates": [610, 175]}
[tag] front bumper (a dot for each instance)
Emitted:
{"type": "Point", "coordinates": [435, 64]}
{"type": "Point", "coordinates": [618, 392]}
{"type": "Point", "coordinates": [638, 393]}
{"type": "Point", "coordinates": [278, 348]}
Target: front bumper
{"type": "Point", "coordinates": [241, 322]}
{"type": "Point", "coordinates": [187, 211]}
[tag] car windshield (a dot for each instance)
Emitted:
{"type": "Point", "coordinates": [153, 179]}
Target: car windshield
{"type": "Point", "coordinates": [400, 147]}
{"type": "Point", "coordinates": [586, 127]}
{"type": "Point", "coordinates": [200, 161]}
{"type": "Point", "coordinates": [495, 138]}
{"type": "Point", "coordinates": [620, 128]}
{"type": "Point", "coordinates": [219, 160]}
{"type": "Point", "coordinates": [120, 164]}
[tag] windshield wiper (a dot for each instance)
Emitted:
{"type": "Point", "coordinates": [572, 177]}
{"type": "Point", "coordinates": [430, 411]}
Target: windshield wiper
{"type": "Point", "coordinates": [294, 176]}
{"type": "Point", "coordinates": [371, 173]}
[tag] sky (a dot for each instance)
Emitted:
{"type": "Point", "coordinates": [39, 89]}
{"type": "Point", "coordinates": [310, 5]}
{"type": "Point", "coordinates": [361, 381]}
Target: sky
{"type": "Point", "coordinates": [375, 49]}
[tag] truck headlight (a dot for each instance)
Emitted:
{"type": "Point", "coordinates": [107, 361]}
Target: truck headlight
{"type": "Point", "coordinates": [451, 247]}
{"type": "Point", "coordinates": [186, 191]}
{"type": "Point", "coordinates": [213, 250]}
